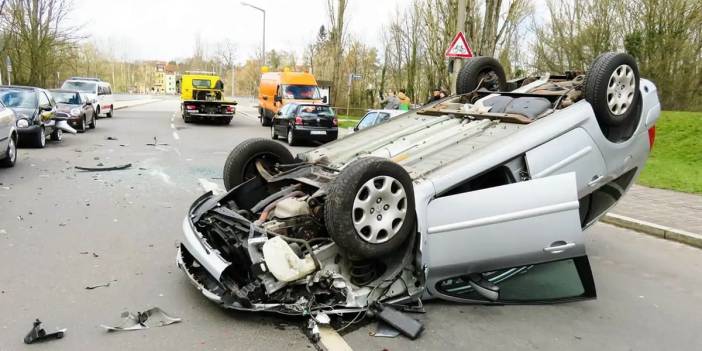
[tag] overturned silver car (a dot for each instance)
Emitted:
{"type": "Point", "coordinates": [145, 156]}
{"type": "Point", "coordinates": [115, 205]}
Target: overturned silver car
{"type": "Point", "coordinates": [482, 197]}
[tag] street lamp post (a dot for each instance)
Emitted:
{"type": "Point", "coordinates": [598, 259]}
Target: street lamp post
{"type": "Point", "coordinates": [263, 51]}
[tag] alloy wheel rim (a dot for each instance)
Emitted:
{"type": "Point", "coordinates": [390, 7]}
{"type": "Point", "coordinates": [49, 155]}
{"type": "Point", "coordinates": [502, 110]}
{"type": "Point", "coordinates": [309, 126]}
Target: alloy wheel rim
{"type": "Point", "coordinates": [620, 89]}
{"type": "Point", "coordinates": [290, 136]}
{"type": "Point", "coordinates": [42, 137]}
{"type": "Point", "coordinates": [379, 209]}
{"type": "Point", "coordinates": [272, 132]}
{"type": "Point", "coordinates": [59, 134]}
{"type": "Point", "coordinates": [12, 150]}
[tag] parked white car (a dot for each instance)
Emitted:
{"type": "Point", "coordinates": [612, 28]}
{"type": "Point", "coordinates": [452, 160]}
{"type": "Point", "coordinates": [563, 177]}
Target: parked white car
{"type": "Point", "coordinates": [482, 197]}
{"type": "Point", "coordinates": [99, 93]}
{"type": "Point", "coordinates": [376, 117]}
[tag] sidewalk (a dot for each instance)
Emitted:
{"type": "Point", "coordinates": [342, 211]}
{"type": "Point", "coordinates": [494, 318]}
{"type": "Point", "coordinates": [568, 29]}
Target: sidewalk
{"type": "Point", "coordinates": [664, 213]}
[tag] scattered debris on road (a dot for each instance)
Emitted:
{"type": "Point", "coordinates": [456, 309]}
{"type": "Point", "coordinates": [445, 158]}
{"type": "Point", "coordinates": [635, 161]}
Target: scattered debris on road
{"type": "Point", "coordinates": [38, 334]}
{"type": "Point", "coordinates": [111, 138]}
{"type": "Point", "coordinates": [105, 285]}
{"type": "Point", "coordinates": [153, 317]}
{"type": "Point", "coordinates": [156, 143]}
{"type": "Point", "coordinates": [103, 169]}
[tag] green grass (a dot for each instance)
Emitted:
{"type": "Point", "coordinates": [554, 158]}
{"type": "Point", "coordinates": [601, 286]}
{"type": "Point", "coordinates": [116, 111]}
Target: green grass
{"type": "Point", "coordinates": [676, 160]}
{"type": "Point", "coordinates": [347, 121]}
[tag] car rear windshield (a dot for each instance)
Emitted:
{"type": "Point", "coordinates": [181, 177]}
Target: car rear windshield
{"type": "Point", "coordinates": [19, 98]}
{"type": "Point", "coordinates": [66, 98]}
{"type": "Point", "coordinates": [302, 92]}
{"type": "Point", "coordinates": [314, 110]}
{"type": "Point", "coordinates": [83, 87]}
{"type": "Point", "coordinates": [201, 83]}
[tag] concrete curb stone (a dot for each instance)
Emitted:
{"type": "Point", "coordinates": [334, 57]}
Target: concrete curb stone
{"type": "Point", "coordinates": [653, 229]}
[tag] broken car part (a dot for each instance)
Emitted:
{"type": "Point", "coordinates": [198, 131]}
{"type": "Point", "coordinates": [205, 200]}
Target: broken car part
{"type": "Point", "coordinates": [38, 334]}
{"type": "Point", "coordinates": [102, 169]}
{"type": "Point", "coordinates": [402, 322]}
{"type": "Point", "coordinates": [153, 317]}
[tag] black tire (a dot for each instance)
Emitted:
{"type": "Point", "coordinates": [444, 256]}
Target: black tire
{"type": "Point", "coordinates": [109, 114]}
{"type": "Point", "coordinates": [599, 79]}
{"type": "Point", "coordinates": [92, 123]}
{"type": "Point", "coordinates": [481, 68]}
{"type": "Point", "coordinates": [290, 137]}
{"type": "Point", "coordinates": [57, 135]}
{"type": "Point", "coordinates": [265, 121]}
{"type": "Point", "coordinates": [186, 118]}
{"type": "Point", "coordinates": [274, 135]}
{"type": "Point", "coordinates": [39, 139]}
{"type": "Point", "coordinates": [97, 112]}
{"type": "Point", "coordinates": [10, 154]}
{"type": "Point", "coordinates": [339, 211]}
{"type": "Point", "coordinates": [241, 162]}
{"type": "Point", "coordinates": [226, 121]}
{"type": "Point", "coordinates": [83, 126]}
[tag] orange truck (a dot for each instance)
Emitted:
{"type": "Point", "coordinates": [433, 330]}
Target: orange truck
{"type": "Point", "coordinates": [279, 88]}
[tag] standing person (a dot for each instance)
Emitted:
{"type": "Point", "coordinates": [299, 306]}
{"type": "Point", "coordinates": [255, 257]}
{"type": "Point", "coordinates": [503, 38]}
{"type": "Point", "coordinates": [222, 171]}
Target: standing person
{"type": "Point", "coordinates": [391, 102]}
{"type": "Point", "coordinates": [405, 101]}
{"type": "Point", "coordinates": [435, 96]}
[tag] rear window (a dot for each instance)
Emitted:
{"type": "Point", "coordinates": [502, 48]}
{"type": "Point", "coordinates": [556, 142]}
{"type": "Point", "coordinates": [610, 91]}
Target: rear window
{"type": "Point", "coordinates": [300, 92]}
{"type": "Point", "coordinates": [201, 83]}
{"type": "Point", "coordinates": [82, 86]}
{"type": "Point", "coordinates": [66, 98]}
{"type": "Point", "coordinates": [312, 110]}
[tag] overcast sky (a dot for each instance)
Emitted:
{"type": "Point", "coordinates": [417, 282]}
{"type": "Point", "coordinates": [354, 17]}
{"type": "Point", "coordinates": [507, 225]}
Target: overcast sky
{"type": "Point", "coordinates": [165, 30]}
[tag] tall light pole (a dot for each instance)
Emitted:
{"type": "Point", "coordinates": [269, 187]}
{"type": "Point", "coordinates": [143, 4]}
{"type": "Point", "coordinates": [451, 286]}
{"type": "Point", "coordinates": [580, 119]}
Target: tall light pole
{"type": "Point", "coordinates": [263, 50]}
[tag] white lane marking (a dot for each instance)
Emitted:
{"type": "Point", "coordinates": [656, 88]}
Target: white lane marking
{"type": "Point", "coordinates": [165, 177]}
{"type": "Point", "coordinates": [246, 114]}
{"type": "Point", "coordinates": [210, 186]}
{"type": "Point", "coordinates": [172, 126]}
{"type": "Point", "coordinates": [175, 135]}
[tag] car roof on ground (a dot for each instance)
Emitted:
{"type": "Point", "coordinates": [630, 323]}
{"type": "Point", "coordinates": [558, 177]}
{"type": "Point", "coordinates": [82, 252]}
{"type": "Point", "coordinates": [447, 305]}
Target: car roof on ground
{"type": "Point", "coordinates": [18, 87]}
{"type": "Point", "coordinates": [63, 91]}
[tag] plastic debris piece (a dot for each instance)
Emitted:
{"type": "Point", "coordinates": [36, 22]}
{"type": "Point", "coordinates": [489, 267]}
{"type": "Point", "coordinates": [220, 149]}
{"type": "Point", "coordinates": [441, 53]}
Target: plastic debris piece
{"type": "Point", "coordinates": [38, 334]}
{"type": "Point", "coordinates": [384, 330]}
{"type": "Point", "coordinates": [102, 169]}
{"type": "Point", "coordinates": [153, 317]}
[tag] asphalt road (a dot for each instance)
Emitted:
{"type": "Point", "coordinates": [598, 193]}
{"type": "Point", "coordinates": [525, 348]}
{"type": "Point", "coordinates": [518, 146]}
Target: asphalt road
{"type": "Point", "coordinates": [53, 218]}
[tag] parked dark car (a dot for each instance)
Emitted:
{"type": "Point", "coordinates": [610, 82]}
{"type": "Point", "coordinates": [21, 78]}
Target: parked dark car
{"type": "Point", "coordinates": [33, 107]}
{"type": "Point", "coordinates": [299, 122]}
{"type": "Point", "coordinates": [77, 107]}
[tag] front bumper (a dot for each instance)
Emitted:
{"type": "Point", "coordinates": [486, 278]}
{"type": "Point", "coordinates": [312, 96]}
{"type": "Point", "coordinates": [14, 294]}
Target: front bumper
{"type": "Point", "coordinates": [210, 115]}
{"type": "Point", "coordinates": [33, 129]}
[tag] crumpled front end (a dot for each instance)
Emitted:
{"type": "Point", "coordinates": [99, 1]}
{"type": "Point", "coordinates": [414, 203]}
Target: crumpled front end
{"type": "Point", "coordinates": [258, 248]}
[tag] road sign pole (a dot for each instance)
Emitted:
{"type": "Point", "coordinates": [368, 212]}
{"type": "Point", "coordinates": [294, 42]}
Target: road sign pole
{"type": "Point", "coordinates": [460, 26]}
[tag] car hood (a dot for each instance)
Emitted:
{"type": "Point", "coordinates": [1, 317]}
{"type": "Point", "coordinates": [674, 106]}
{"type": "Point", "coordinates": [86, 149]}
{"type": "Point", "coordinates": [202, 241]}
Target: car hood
{"type": "Point", "coordinates": [65, 107]}
{"type": "Point", "coordinates": [28, 112]}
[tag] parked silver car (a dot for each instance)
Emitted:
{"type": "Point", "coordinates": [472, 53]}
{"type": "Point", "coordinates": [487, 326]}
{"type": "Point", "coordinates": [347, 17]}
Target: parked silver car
{"type": "Point", "coordinates": [8, 137]}
{"type": "Point", "coordinates": [482, 197]}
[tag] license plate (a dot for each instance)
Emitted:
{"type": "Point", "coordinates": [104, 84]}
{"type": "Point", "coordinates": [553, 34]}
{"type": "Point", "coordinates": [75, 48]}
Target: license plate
{"type": "Point", "coordinates": [318, 132]}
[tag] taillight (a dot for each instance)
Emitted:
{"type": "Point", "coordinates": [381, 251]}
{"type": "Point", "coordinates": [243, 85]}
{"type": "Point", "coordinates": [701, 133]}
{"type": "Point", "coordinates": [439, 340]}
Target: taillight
{"type": "Point", "coordinates": [651, 137]}
{"type": "Point", "coordinates": [298, 120]}
{"type": "Point", "coordinates": [190, 107]}
{"type": "Point", "coordinates": [335, 122]}
{"type": "Point", "coordinates": [230, 109]}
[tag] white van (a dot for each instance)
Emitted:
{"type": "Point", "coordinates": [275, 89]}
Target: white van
{"type": "Point", "coordinates": [98, 91]}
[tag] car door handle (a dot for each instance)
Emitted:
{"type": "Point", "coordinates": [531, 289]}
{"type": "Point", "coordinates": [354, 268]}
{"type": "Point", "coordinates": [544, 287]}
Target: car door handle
{"type": "Point", "coordinates": [596, 180]}
{"type": "Point", "coordinates": [558, 247]}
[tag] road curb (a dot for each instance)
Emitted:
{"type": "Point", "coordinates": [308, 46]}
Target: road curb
{"type": "Point", "coordinates": [654, 229]}
{"type": "Point", "coordinates": [135, 104]}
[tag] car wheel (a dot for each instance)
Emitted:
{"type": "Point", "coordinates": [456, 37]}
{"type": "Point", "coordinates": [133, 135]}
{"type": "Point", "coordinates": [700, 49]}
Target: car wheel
{"type": "Point", "coordinates": [292, 141]}
{"type": "Point", "coordinates": [274, 135]}
{"type": "Point", "coordinates": [10, 154]}
{"type": "Point", "coordinates": [109, 114]}
{"type": "Point", "coordinates": [226, 121]}
{"type": "Point", "coordinates": [369, 208]}
{"type": "Point", "coordinates": [82, 127]}
{"type": "Point", "coordinates": [481, 71]}
{"type": "Point", "coordinates": [97, 112]}
{"type": "Point", "coordinates": [40, 138]}
{"type": "Point", "coordinates": [57, 135]}
{"type": "Point", "coordinates": [612, 89]}
{"type": "Point", "coordinates": [241, 162]}
{"type": "Point", "coordinates": [92, 123]}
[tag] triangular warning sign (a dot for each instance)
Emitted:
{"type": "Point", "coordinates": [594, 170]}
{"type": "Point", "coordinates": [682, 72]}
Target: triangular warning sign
{"type": "Point", "coordinates": [459, 47]}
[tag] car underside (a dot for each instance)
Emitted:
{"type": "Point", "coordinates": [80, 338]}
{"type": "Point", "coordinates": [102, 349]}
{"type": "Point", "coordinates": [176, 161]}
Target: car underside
{"type": "Point", "coordinates": [357, 222]}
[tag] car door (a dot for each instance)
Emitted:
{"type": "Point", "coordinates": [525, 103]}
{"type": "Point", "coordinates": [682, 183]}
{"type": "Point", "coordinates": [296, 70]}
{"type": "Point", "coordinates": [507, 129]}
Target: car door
{"type": "Point", "coordinates": [85, 106]}
{"type": "Point", "coordinates": [6, 121]}
{"type": "Point", "coordinates": [367, 121]}
{"type": "Point", "coordinates": [516, 243]}
{"type": "Point", "coordinates": [46, 109]}
{"type": "Point", "coordinates": [279, 120]}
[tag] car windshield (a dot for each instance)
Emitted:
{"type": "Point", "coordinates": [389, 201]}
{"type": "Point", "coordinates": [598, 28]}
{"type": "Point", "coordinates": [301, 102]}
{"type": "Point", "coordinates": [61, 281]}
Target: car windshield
{"type": "Point", "coordinates": [83, 87]}
{"type": "Point", "coordinates": [316, 111]}
{"type": "Point", "coordinates": [66, 98]}
{"type": "Point", "coordinates": [302, 92]}
{"type": "Point", "coordinates": [19, 98]}
{"type": "Point", "coordinates": [201, 83]}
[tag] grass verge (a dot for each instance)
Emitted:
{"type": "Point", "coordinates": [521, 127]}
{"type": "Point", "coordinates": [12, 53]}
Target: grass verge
{"type": "Point", "coordinates": [676, 160]}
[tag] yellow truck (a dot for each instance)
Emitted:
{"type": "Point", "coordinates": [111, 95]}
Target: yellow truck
{"type": "Point", "coordinates": [201, 95]}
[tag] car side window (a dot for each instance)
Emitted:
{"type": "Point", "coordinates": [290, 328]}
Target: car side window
{"type": "Point", "coordinates": [368, 120]}
{"type": "Point", "coordinates": [291, 111]}
{"type": "Point", "coordinates": [43, 99]}
{"type": "Point", "coordinates": [382, 118]}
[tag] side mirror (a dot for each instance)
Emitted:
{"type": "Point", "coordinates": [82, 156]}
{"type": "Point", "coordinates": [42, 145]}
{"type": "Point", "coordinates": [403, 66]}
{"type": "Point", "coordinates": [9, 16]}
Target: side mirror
{"type": "Point", "coordinates": [278, 99]}
{"type": "Point", "coordinates": [355, 129]}
{"type": "Point", "coordinates": [265, 97]}
{"type": "Point", "coordinates": [45, 108]}
{"type": "Point", "coordinates": [324, 99]}
{"type": "Point", "coordinates": [279, 113]}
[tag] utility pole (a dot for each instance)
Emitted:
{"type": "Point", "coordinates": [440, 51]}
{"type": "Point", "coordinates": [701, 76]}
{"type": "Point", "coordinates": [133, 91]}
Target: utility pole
{"type": "Point", "coordinates": [460, 27]}
{"type": "Point", "coordinates": [263, 42]}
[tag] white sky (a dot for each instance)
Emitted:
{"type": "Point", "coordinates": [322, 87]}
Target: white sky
{"type": "Point", "coordinates": [165, 30]}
